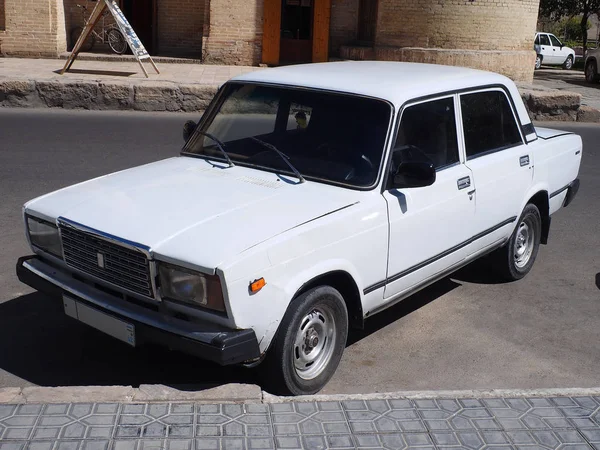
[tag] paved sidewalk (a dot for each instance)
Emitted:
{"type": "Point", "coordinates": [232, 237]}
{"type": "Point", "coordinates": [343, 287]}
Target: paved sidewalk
{"type": "Point", "coordinates": [528, 423]}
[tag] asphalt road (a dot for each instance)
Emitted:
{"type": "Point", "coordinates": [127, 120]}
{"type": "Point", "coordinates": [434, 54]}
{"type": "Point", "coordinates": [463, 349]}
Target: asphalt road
{"type": "Point", "coordinates": [463, 332]}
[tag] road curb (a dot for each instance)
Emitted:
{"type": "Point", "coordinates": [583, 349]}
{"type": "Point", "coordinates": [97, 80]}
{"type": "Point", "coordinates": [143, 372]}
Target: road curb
{"type": "Point", "coordinates": [249, 393]}
{"type": "Point", "coordinates": [542, 104]}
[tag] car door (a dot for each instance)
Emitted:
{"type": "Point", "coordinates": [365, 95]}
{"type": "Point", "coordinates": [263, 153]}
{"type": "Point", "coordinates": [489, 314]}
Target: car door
{"type": "Point", "coordinates": [546, 49]}
{"type": "Point", "coordinates": [428, 225]}
{"type": "Point", "coordinates": [559, 52]}
{"type": "Point", "coordinates": [501, 163]}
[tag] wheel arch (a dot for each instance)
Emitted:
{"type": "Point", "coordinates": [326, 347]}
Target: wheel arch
{"type": "Point", "coordinates": [542, 202]}
{"type": "Point", "coordinates": [347, 287]}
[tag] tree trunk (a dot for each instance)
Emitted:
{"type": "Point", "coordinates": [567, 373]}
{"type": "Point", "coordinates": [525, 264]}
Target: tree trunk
{"type": "Point", "coordinates": [584, 21]}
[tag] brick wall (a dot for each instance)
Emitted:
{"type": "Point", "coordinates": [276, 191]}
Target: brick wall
{"type": "Point", "coordinates": [180, 27]}
{"type": "Point", "coordinates": [343, 24]}
{"type": "Point", "coordinates": [34, 28]}
{"type": "Point", "coordinates": [235, 32]}
{"type": "Point", "coordinates": [458, 24]}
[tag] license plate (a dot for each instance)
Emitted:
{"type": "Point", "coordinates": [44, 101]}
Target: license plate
{"type": "Point", "coordinates": [110, 325]}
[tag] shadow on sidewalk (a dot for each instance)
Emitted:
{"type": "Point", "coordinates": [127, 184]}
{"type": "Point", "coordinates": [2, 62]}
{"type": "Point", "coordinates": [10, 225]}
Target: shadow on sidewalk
{"type": "Point", "coordinates": [109, 73]}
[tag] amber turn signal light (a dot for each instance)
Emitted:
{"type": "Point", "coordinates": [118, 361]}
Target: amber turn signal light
{"type": "Point", "coordinates": [257, 285]}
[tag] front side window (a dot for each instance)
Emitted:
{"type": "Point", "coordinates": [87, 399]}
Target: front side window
{"type": "Point", "coordinates": [544, 39]}
{"type": "Point", "coordinates": [428, 133]}
{"type": "Point", "coordinates": [488, 122]}
{"type": "Point", "coordinates": [327, 137]}
{"type": "Point", "coordinates": [537, 40]}
{"type": "Point", "coordinates": [555, 41]}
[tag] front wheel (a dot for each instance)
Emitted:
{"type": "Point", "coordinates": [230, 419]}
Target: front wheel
{"type": "Point", "coordinates": [309, 343]}
{"type": "Point", "coordinates": [116, 41]}
{"type": "Point", "coordinates": [88, 43]}
{"type": "Point", "coordinates": [568, 65]}
{"type": "Point", "coordinates": [515, 260]}
{"type": "Point", "coordinates": [591, 72]}
{"type": "Point", "coordinates": [538, 62]}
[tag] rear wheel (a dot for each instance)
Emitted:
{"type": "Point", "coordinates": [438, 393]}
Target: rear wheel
{"type": "Point", "coordinates": [88, 43]}
{"type": "Point", "coordinates": [515, 260]}
{"type": "Point", "coordinates": [538, 62]}
{"type": "Point", "coordinates": [568, 65]}
{"type": "Point", "coordinates": [116, 41]}
{"type": "Point", "coordinates": [309, 343]}
{"type": "Point", "coordinates": [591, 72]}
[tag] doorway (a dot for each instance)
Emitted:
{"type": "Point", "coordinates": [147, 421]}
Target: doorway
{"type": "Point", "coordinates": [367, 21]}
{"type": "Point", "coordinates": [296, 31]}
{"type": "Point", "coordinates": [140, 14]}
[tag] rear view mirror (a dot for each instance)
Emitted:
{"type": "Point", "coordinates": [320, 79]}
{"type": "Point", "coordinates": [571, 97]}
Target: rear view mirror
{"type": "Point", "coordinates": [188, 128]}
{"type": "Point", "coordinates": [413, 174]}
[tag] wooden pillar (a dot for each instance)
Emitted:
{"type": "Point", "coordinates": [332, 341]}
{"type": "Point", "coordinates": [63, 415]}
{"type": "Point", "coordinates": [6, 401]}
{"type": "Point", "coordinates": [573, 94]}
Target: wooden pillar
{"type": "Point", "coordinates": [271, 32]}
{"type": "Point", "coordinates": [321, 18]}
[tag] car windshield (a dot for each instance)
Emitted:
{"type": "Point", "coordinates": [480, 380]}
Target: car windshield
{"type": "Point", "coordinates": [326, 136]}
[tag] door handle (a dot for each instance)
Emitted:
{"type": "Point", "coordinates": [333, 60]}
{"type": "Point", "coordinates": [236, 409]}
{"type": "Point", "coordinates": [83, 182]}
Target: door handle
{"type": "Point", "coordinates": [524, 160]}
{"type": "Point", "coordinates": [471, 193]}
{"type": "Point", "coordinates": [463, 183]}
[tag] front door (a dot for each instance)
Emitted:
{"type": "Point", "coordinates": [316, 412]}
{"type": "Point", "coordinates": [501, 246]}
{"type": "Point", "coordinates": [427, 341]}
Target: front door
{"type": "Point", "coordinates": [140, 14]}
{"type": "Point", "coordinates": [546, 49]}
{"type": "Point", "coordinates": [296, 31]}
{"type": "Point", "coordinates": [430, 227]}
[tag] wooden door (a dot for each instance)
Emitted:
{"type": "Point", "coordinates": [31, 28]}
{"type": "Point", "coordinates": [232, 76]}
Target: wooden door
{"type": "Point", "coordinates": [367, 20]}
{"type": "Point", "coordinates": [296, 31]}
{"type": "Point", "coordinates": [271, 32]}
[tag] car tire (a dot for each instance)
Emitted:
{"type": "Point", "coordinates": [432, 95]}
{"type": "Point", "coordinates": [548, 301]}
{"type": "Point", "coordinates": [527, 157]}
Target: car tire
{"type": "Point", "coordinates": [316, 321]}
{"type": "Point", "coordinates": [538, 62]}
{"type": "Point", "coordinates": [591, 72]}
{"type": "Point", "coordinates": [568, 65]}
{"type": "Point", "coordinates": [516, 258]}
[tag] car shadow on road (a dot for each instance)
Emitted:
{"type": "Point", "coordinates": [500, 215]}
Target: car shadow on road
{"type": "Point", "coordinates": [574, 78]}
{"type": "Point", "coordinates": [43, 346]}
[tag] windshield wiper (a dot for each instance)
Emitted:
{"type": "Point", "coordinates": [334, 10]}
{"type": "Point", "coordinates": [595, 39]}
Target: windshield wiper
{"type": "Point", "coordinates": [219, 144]}
{"type": "Point", "coordinates": [285, 157]}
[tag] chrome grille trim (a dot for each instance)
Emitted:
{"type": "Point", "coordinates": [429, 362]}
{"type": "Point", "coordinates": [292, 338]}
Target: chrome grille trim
{"type": "Point", "coordinates": [127, 265]}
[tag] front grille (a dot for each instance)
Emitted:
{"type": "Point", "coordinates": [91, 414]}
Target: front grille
{"type": "Point", "coordinates": [124, 267]}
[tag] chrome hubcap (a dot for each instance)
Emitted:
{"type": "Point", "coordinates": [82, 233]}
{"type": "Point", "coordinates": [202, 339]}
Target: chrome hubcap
{"type": "Point", "coordinates": [523, 245]}
{"type": "Point", "coordinates": [538, 62]}
{"type": "Point", "coordinates": [314, 343]}
{"type": "Point", "coordinates": [569, 63]}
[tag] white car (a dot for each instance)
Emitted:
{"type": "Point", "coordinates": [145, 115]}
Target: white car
{"type": "Point", "coordinates": [551, 52]}
{"type": "Point", "coordinates": [591, 65]}
{"type": "Point", "coordinates": [306, 200]}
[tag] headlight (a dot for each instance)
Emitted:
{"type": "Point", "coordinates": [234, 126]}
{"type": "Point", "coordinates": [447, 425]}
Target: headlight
{"type": "Point", "coordinates": [44, 235]}
{"type": "Point", "coordinates": [177, 283]}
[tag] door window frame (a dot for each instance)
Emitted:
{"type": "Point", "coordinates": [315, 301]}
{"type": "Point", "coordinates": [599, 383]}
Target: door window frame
{"type": "Point", "coordinates": [514, 114]}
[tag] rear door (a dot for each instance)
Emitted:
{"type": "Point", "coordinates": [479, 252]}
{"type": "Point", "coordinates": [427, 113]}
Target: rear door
{"type": "Point", "coordinates": [546, 49]}
{"type": "Point", "coordinates": [502, 164]}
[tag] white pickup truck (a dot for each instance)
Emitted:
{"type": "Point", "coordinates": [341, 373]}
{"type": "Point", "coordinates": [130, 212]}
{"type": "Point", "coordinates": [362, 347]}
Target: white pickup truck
{"type": "Point", "coordinates": [305, 200]}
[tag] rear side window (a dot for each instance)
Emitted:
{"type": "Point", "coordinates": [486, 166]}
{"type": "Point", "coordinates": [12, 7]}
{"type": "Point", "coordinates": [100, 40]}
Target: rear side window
{"type": "Point", "coordinates": [537, 40]}
{"type": "Point", "coordinates": [428, 133]}
{"type": "Point", "coordinates": [488, 122]}
{"type": "Point", "coordinates": [544, 39]}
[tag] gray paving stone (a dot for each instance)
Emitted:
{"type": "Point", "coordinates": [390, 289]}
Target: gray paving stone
{"type": "Point", "coordinates": [434, 414]}
{"type": "Point", "coordinates": [355, 405]}
{"type": "Point", "coordinates": [179, 444]}
{"type": "Point", "coordinates": [40, 445]}
{"type": "Point", "coordinates": [7, 410]}
{"type": "Point", "coordinates": [134, 419]}
{"type": "Point", "coordinates": [339, 441]}
{"type": "Point", "coordinates": [314, 442]}
{"type": "Point", "coordinates": [445, 439]}
{"type": "Point", "coordinates": [80, 410]}
{"type": "Point", "coordinates": [286, 429]}
{"type": "Point", "coordinates": [329, 406]}
{"type": "Point", "coordinates": [329, 416]}
{"type": "Point", "coordinates": [95, 445]}
{"type": "Point", "coordinates": [437, 425]}
{"type": "Point", "coordinates": [46, 433]}
{"type": "Point", "coordinates": [521, 437]}
{"type": "Point", "coordinates": [56, 409]}
{"type": "Point", "coordinates": [310, 427]}
{"type": "Point", "coordinates": [363, 427]}
{"type": "Point", "coordinates": [176, 419]}
{"type": "Point", "coordinates": [182, 408]}
{"type": "Point", "coordinates": [106, 408]}
{"type": "Point", "coordinates": [569, 437]}
{"type": "Point", "coordinates": [449, 405]}
{"type": "Point", "coordinates": [403, 414]}
{"type": "Point", "coordinates": [155, 430]}
{"type": "Point", "coordinates": [233, 444]}
{"type": "Point", "coordinates": [233, 429]}
{"type": "Point", "coordinates": [545, 412]}
{"type": "Point", "coordinates": [157, 410]}
{"type": "Point", "coordinates": [257, 430]}
{"type": "Point", "coordinates": [129, 431]}
{"type": "Point", "coordinates": [26, 410]}
{"type": "Point", "coordinates": [400, 404]}
{"type": "Point", "coordinates": [461, 423]}
{"type": "Point", "coordinates": [385, 425]}
{"type": "Point", "coordinates": [97, 419]}
{"type": "Point", "coordinates": [207, 444]}
{"type": "Point", "coordinates": [361, 415]}
{"type": "Point", "coordinates": [379, 406]}
{"type": "Point", "coordinates": [232, 411]}
{"type": "Point", "coordinates": [282, 407]}
{"type": "Point", "coordinates": [412, 426]}
{"type": "Point", "coordinates": [208, 430]}
{"type": "Point", "coordinates": [486, 424]}
{"type": "Point", "coordinates": [254, 419]}
{"type": "Point", "coordinates": [151, 444]}
{"type": "Point", "coordinates": [583, 422]}
{"type": "Point", "coordinates": [367, 440]}
{"type": "Point", "coordinates": [256, 408]}
{"type": "Point", "coordinates": [576, 412]}
{"type": "Point", "coordinates": [209, 409]}
{"type": "Point", "coordinates": [336, 427]}
{"type": "Point", "coordinates": [575, 447]}
{"type": "Point", "coordinates": [286, 418]}
{"type": "Point", "coordinates": [511, 424]}
{"type": "Point", "coordinates": [17, 433]}
{"type": "Point", "coordinates": [471, 440]}
{"type": "Point", "coordinates": [216, 419]}
{"type": "Point", "coordinates": [495, 403]}
{"type": "Point", "coordinates": [533, 422]}
{"type": "Point", "coordinates": [260, 443]}
{"type": "Point", "coordinates": [494, 437]}
{"type": "Point", "coordinates": [287, 442]}
{"type": "Point", "coordinates": [505, 413]}
{"type": "Point", "coordinates": [21, 421]}
{"type": "Point", "coordinates": [475, 413]}
{"type": "Point", "coordinates": [417, 439]}
{"type": "Point", "coordinates": [68, 445]}
{"type": "Point", "coordinates": [563, 401]}
{"type": "Point", "coordinates": [392, 441]}
{"type": "Point", "coordinates": [180, 431]}
{"type": "Point", "coordinates": [540, 402]}
{"type": "Point", "coordinates": [125, 445]}
{"type": "Point", "coordinates": [546, 438]}
{"type": "Point", "coordinates": [73, 431]}
{"type": "Point", "coordinates": [592, 436]}
{"type": "Point", "coordinates": [99, 432]}
{"type": "Point", "coordinates": [306, 408]}
{"type": "Point", "coordinates": [470, 403]}
{"type": "Point", "coordinates": [136, 408]}
{"type": "Point", "coordinates": [518, 404]}
{"type": "Point", "coordinates": [426, 404]}
{"type": "Point", "coordinates": [586, 402]}
{"type": "Point", "coordinates": [12, 445]}
{"type": "Point", "coordinates": [558, 423]}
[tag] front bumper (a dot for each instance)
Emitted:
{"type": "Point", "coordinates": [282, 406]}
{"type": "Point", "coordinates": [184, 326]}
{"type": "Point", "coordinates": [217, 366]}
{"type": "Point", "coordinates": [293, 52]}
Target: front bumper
{"type": "Point", "coordinates": [203, 339]}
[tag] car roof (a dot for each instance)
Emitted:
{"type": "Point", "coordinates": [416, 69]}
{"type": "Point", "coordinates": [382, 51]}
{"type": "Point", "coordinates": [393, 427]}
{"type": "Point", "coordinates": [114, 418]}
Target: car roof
{"type": "Point", "coordinates": [396, 82]}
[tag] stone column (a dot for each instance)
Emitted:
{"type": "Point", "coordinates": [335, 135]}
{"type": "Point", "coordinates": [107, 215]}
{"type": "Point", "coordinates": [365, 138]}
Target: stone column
{"type": "Point", "coordinates": [234, 33]}
{"type": "Point", "coordinates": [34, 28]}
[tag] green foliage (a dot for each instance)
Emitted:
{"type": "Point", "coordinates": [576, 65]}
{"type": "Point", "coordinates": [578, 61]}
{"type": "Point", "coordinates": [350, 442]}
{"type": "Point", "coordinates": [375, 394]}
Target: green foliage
{"type": "Point", "coordinates": [554, 9]}
{"type": "Point", "coordinates": [569, 28]}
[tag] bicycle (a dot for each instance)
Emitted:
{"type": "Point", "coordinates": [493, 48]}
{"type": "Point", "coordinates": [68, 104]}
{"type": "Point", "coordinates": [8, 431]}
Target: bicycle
{"type": "Point", "coordinates": [110, 35]}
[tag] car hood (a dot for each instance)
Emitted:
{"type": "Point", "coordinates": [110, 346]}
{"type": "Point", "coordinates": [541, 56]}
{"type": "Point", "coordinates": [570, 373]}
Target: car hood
{"type": "Point", "coordinates": [192, 210]}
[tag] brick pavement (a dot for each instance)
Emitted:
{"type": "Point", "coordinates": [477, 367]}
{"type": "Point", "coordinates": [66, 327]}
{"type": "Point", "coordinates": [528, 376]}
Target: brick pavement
{"type": "Point", "coordinates": [527, 423]}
